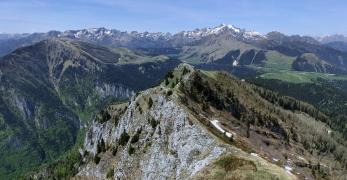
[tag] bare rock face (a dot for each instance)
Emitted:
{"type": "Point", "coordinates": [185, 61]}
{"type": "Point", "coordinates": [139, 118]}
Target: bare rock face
{"type": "Point", "coordinates": [118, 91]}
{"type": "Point", "coordinates": [170, 144]}
{"type": "Point", "coordinates": [155, 136]}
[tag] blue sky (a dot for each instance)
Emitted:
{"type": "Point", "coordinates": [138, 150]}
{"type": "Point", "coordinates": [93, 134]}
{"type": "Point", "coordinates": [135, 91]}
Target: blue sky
{"type": "Point", "coordinates": [306, 17]}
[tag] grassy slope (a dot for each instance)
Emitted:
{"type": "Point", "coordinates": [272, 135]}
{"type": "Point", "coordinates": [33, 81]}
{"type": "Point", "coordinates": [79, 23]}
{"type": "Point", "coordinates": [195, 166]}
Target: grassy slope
{"type": "Point", "coordinates": [326, 92]}
{"type": "Point", "coordinates": [301, 77]}
{"type": "Point", "coordinates": [211, 50]}
{"type": "Point", "coordinates": [278, 67]}
{"type": "Point", "coordinates": [311, 138]}
{"type": "Point", "coordinates": [277, 61]}
{"type": "Point", "coordinates": [133, 57]}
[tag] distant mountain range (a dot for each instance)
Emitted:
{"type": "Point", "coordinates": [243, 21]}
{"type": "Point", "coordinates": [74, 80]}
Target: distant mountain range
{"type": "Point", "coordinates": [218, 44]}
{"type": "Point", "coordinates": [118, 38]}
{"type": "Point", "coordinates": [332, 38]}
{"type": "Point", "coordinates": [159, 39]}
{"type": "Point", "coordinates": [337, 41]}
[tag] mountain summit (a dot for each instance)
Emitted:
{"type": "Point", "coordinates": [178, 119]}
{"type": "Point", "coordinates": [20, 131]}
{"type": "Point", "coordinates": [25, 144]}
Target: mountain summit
{"type": "Point", "coordinates": [223, 28]}
{"type": "Point", "coordinates": [200, 124]}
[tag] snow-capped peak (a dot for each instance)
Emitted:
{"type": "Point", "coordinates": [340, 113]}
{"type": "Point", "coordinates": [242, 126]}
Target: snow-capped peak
{"type": "Point", "coordinates": [223, 28]}
{"type": "Point", "coordinates": [197, 33]}
{"type": "Point", "coordinates": [231, 27]}
{"type": "Point", "coordinates": [101, 34]}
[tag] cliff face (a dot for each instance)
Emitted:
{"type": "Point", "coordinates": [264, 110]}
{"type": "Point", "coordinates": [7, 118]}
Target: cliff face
{"type": "Point", "coordinates": [156, 136]}
{"type": "Point", "coordinates": [170, 144]}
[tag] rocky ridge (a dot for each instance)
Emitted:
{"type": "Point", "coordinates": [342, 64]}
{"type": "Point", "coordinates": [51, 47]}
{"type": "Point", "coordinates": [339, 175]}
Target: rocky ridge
{"type": "Point", "coordinates": [155, 136]}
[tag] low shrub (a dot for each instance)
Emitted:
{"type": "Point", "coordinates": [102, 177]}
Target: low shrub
{"type": "Point", "coordinates": [124, 138]}
{"type": "Point", "coordinates": [169, 93]}
{"type": "Point", "coordinates": [185, 71]}
{"type": "Point", "coordinates": [110, 173]}
{"type": "Point", "coordinates": [231, 163]}
{"type": "Point", "coordinates": [154, 123]}
{"type": "Point", "coordinates": [101, 147]}
{"type": "Point", "coordinates": [114, 151]}
{"type": "Point", "coordinates": [136, 137]}
{"type": "Point", "coordinates": [103, 116]}
{"type": "Point", "coordinates": [131, 150]}
{"type": "Point", "coordinates": [97, 159]}
{"type": "Point", "coordinates": [150, 102]}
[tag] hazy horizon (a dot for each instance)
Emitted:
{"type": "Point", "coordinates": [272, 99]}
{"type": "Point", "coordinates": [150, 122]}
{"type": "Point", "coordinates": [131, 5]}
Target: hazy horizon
{"type": "Point", "coordinates": [309, 17]}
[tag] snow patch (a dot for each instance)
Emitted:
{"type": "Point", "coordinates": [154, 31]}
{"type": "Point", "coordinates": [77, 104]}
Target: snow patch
{"type": "Point", "coordinates": [235, 63]}
{"type": "Point", "coordinates": [215, 124]}
{"type": "Point", "coordinates": [301, 158]}
{"type": "Point", "coordinates": [254, 154]}
{"type": "Point", "coordinates": [288, 169]}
